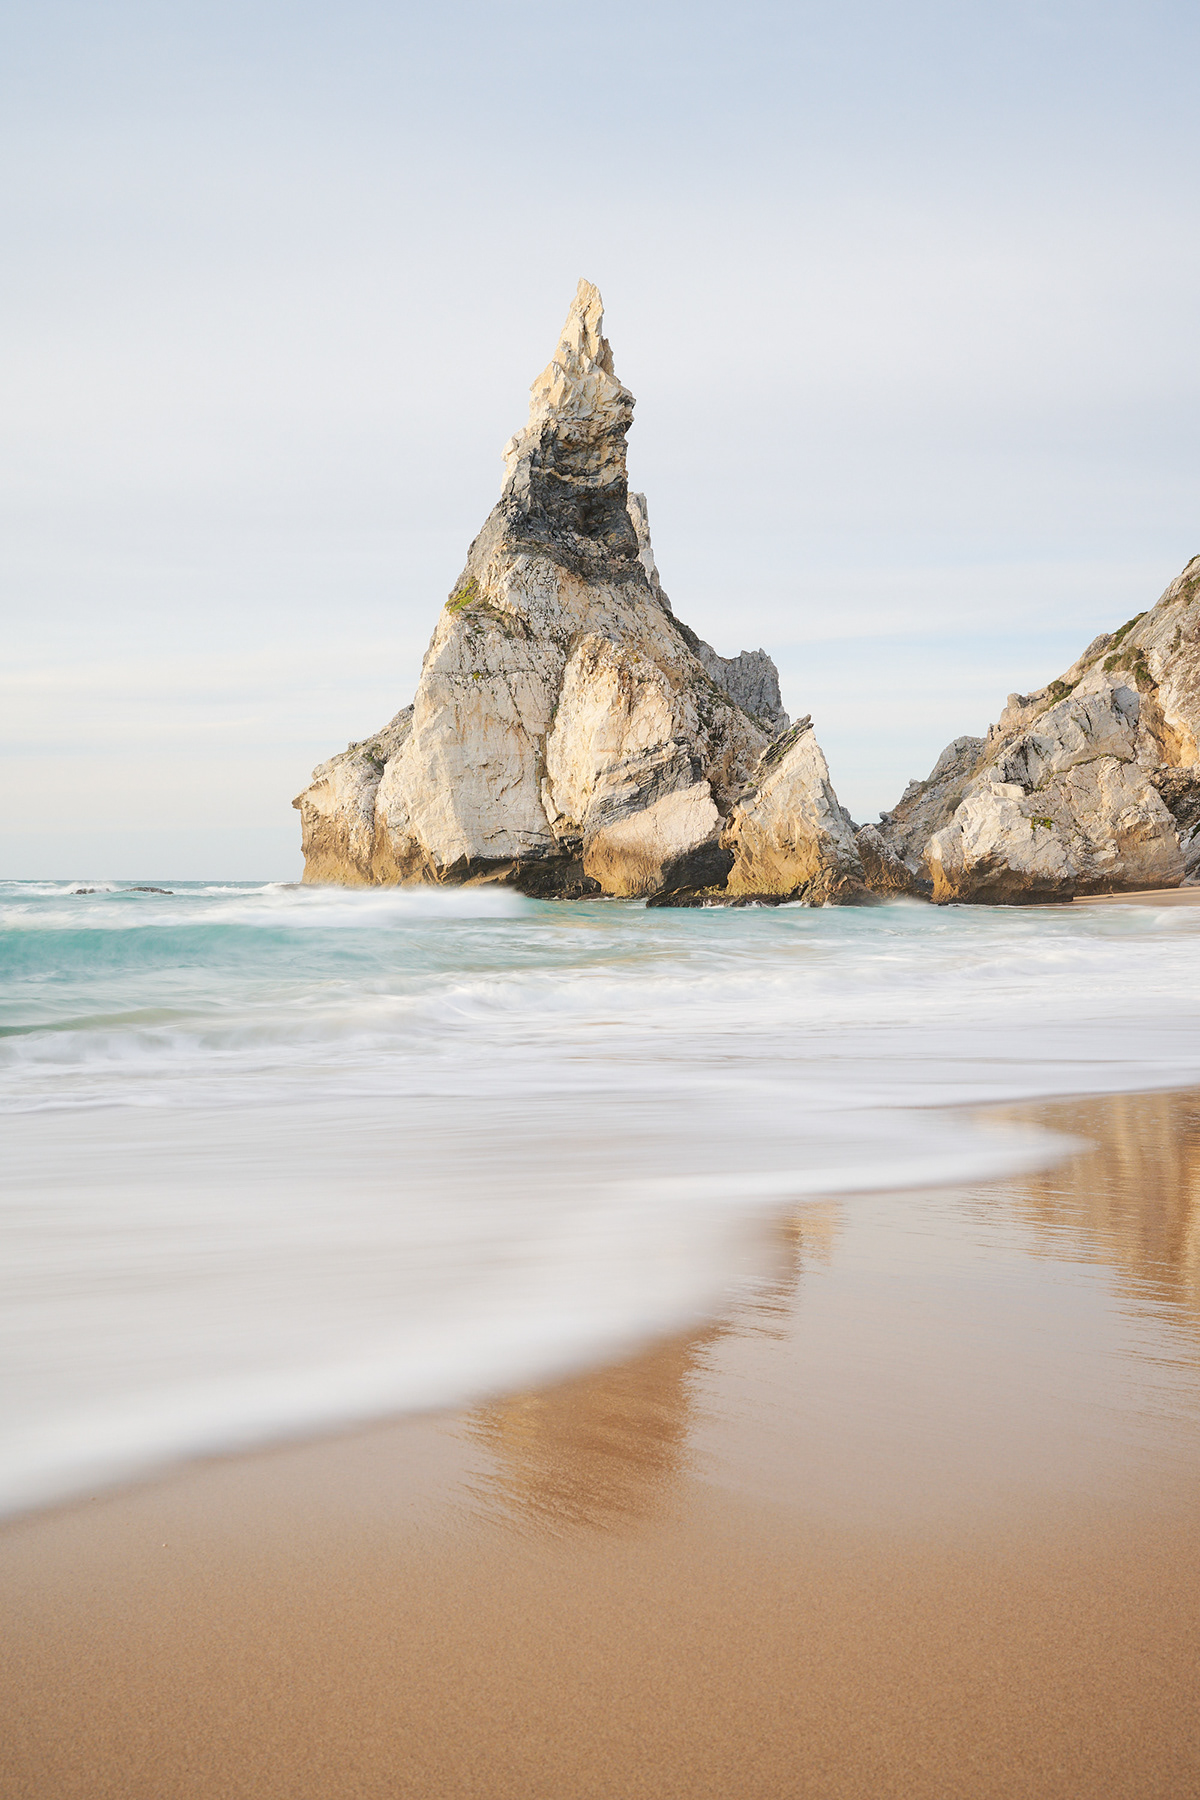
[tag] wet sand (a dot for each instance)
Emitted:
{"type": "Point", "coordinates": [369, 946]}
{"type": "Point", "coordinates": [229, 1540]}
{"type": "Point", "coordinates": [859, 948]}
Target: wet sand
{"type": "Point", "coordinates": [919, 1517]}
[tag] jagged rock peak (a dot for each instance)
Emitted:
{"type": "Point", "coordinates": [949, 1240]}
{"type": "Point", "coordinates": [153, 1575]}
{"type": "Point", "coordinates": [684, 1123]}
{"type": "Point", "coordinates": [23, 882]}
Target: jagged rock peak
{"type": "Point", "coordinates": [583, 350]}
{"type": "Point", "coordinates": [569, 734]}
{"type": "Point", "coordinates": [639, 513]}
{"type": "Point", "coordinates": [579, 413]}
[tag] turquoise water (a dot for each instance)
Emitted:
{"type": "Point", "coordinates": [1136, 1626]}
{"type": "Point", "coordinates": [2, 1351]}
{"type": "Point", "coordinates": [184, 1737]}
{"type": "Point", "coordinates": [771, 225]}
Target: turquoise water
{"type": "Point", "coordinates": [282, 1158]}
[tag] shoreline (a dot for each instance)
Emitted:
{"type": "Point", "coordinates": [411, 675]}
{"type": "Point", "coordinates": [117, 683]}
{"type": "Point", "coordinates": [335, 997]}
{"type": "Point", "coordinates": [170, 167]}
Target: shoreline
{"type": "Point", "coordinates": [908, 1520]}
{"type": "Point", "coordinates": [271, 1439]}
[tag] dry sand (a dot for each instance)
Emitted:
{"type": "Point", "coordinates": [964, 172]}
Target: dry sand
{"type": "Point", "coordinates": [1180, 896]}
{"type": "Point", "coordinates": [918, 1518]}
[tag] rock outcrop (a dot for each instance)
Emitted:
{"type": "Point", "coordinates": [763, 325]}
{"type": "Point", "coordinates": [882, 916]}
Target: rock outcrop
{"type": "Point", "coordinates": [789, 833]}
{"type": "Point", "coordinates": [569, 735]}
{"type": "Point", "coordinates": [1091, 785]}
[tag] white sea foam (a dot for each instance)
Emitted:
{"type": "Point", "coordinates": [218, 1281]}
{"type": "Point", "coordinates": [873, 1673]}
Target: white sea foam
{"type": "Point", "coordinates": [279, 1159]}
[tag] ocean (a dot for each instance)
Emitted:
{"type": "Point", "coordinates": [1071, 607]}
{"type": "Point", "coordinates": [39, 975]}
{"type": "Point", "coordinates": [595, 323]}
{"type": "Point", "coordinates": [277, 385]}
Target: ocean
{"type": "Point", "coordinates": [281, 1160]}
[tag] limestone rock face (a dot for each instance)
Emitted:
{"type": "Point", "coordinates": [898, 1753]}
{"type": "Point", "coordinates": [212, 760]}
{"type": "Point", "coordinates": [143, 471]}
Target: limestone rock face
{"type": "Point", "coordinates": [927, 805]}
{"type": "Point", "coordinates": [789, 835]}
{"type": "Point", "coordinates": [884, 872]}
{"type": "Point", "coordinates": [337, 813]}
{"type": "Point", "coordinates": [568, 734]}
{"type": "Point", "coordinates": [1090, 785]}
{"type": "Point", "coordinates": [751, 679]}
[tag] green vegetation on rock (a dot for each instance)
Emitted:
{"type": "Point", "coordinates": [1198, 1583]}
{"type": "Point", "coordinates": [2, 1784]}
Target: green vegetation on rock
{"type": "Point", "coordinates": [1127, 627]}
{"type": "Point", "coordinates": [467, 594]}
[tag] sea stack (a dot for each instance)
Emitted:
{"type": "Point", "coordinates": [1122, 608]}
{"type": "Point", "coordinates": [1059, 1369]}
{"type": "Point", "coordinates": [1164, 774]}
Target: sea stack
{"type": "Point", "coordinates": [569, 735]}
{"type": "Point", "coordinates": [1090, 785]}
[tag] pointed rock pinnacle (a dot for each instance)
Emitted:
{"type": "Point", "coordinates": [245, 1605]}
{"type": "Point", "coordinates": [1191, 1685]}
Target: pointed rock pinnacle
{"type": "Point", "coordinates": [565, 481]}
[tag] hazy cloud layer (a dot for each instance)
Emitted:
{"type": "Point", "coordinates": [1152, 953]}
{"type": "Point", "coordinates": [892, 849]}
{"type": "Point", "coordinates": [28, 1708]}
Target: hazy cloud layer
{"type": "Point", "coordinates": [907, 296]}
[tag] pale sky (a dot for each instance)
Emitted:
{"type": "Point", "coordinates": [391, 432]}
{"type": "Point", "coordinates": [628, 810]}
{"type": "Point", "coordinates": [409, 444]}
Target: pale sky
{"type": "Point", "coordinates": [908, 294]}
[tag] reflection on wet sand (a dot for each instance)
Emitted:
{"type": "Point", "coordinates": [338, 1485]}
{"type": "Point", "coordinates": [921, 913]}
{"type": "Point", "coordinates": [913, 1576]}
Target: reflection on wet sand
{"type": "Point", "coordinates": [616, 1446]}
{"type": "Point", "coordinates": [878, 1533]}
{"type": "Point", "coordinates": [599, 1448]}
{"type": "Point", "coordinates": [611, 1446]}
{"type": "Point", "coordinates": [1132, 1201]}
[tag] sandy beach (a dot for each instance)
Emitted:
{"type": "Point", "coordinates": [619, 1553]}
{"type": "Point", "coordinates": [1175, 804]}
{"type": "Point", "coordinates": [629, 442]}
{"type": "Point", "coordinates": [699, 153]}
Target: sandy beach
{"type": "Point", "coordinates": [600, 903]}
{"type": "Point", "coordinates": [1179, 896]}
{"type": "Point", "coordinates": [918, 1517]}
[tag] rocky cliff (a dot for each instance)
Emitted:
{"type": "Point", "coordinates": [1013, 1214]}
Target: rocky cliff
{"type": "Point", "coordinates": [569, 735]}
{"type": "Point", "coordinates": [1090, 785]}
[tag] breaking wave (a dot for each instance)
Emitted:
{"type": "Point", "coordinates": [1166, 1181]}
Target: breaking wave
{"type": "Point", "coordinates": [281, 1158]}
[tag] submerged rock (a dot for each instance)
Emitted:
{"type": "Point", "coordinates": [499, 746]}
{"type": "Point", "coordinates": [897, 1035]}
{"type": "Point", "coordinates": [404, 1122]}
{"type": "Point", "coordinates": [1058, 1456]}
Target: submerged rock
{"type": "Point", "coordinates": [569, 735]}
{"type": "Point", "coordinates": [1091, 785]}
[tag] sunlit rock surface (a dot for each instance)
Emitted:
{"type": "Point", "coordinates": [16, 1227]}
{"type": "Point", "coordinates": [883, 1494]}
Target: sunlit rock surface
{"type": "Point", "coordinates": [1090, 785]}
{"type": "Point", "coordinates": [789, 835]}
{"type": "Point", "coordinates": [569, 735]}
